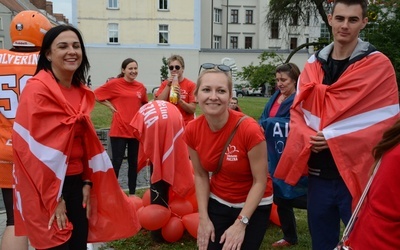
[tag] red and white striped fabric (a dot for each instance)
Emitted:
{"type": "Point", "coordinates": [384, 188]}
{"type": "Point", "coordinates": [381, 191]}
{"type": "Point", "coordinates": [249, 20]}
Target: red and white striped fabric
{"type": "Point", "coordinates": [352, 113]}
{"type": "Point", "coordinates": [42, 140]}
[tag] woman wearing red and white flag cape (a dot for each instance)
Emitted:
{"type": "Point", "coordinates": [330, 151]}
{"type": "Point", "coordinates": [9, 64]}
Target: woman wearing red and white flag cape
{"type": "Point", "coordinates": [66, 192]}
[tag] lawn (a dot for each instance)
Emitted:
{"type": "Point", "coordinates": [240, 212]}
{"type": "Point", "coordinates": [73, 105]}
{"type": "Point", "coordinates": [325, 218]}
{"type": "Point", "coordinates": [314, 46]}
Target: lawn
{"type": "Point", "coordinates": [252, 106]}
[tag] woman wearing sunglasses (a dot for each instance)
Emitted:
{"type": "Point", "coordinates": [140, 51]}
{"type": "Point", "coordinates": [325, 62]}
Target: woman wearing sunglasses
{"type": "Point", "coordinates": [235, 204]}
{"type": "Point", "coordinates": [186, 102]}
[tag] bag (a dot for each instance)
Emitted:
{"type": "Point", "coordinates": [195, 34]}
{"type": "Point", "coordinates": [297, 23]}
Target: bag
{"type": "Point", "coordinates": [343, 244]}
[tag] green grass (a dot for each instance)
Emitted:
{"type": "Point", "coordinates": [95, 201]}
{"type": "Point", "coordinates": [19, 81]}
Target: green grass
{"type": "Point", "coordinates": [252, 106]}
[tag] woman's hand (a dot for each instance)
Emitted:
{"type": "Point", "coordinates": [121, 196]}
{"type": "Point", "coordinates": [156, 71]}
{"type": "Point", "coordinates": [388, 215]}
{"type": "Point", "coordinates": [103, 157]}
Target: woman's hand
{"type": "Point", "coordinates": [59, 215]}
{"type": "Point", "coordinates": [233, 236]}
{"type": "Point", "coordinates": [205, 232]}
{"type": "Point", "coordinates": [86, 199]}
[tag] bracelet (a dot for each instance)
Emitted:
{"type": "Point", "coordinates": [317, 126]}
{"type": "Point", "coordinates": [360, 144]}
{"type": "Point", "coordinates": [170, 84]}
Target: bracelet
{"type": "Point", "coordinates": [89, 183]}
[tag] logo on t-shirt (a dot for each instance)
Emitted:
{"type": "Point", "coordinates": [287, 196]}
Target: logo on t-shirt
{"type": "Point", "coordinates": [230, 153]}
{"type": "Point", "coordinates": [139, 95]}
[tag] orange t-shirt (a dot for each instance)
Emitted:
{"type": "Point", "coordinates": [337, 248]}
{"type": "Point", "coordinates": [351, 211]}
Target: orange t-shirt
{"type": "Point", "coordinates": [15, 69]}
{"type": "Point", "coordinates": [127, 98]}
{"type": "Point", "coordinates": [235, 179]}
{"type": "Point", "coordinates": [187, 94]}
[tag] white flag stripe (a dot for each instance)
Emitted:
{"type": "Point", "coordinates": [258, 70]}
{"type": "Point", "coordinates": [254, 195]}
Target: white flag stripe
{"type": "Point", "coordinates": [311, 120]}
{"type": "Point", "coordinates": [100, 162]}
{"type": "Point", "coordinates": [50, 157]}
{"type": "Point", "coordinates": [169, 151]}
{"type": "Point", "coordinates": [359, 122]}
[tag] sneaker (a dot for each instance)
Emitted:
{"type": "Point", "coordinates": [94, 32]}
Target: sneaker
{"type": "Point", "coordinates": [281, 243]}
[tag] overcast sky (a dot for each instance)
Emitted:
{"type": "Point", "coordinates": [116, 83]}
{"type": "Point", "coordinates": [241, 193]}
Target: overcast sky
{"type": "Point", "coordinates": [64, 7]}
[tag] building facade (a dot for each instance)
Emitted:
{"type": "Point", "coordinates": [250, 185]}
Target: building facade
{"type": "Point", "coordinates": [200, 31]}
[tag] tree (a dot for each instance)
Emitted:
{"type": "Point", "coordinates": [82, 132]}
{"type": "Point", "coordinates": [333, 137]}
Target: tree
{"type": "Point", "coordinates": [383, 30]}
{"type": "Point", "coordinates": [263, 73]}
{"type": "Point", "coordinates": [164, 69]}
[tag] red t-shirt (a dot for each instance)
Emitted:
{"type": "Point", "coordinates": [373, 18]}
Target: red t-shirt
{"type": "Point", "coordinates": [75, 166]}
{"type": "Point", "coordinates": [127, 98]}
{"type": "Point", "coordinates": [235, 179]}
{"type": "Point", "coordinates": [378, 223]}
{"type": "Point", "coordinates": [187, 94]}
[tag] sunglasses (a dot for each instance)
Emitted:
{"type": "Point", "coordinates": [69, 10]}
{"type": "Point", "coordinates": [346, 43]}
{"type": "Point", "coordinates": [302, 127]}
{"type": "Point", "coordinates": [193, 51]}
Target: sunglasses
{"type": "Point", "coordinates": [221, 67]}
{"type": "Point", "coordinates": [177, 67]}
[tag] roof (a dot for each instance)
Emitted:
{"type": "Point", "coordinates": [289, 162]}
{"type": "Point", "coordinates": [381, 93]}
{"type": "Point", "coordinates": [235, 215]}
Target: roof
{"type": "Point", "coordinates": [16, 5]}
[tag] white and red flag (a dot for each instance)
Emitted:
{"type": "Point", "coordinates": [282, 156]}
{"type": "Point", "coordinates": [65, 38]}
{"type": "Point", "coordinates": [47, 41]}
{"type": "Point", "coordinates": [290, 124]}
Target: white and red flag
{"type": "Point", "coordinates": [42, 140]}
{"type": "Point", "coordinates": [352, 113]}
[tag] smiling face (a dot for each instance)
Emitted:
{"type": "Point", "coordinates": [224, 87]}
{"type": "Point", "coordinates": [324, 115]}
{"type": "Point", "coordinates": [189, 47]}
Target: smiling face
{"type": "Point", "coordinates": [347, 21]}
{"type": "Point", "coordinates": [213, 94]}
{"type": "Point", "coordinates": [173, 68]}
{"type": "Point", "coordinates": [65, 54]}
{"type": "Point", "coordinates": [130, 72]}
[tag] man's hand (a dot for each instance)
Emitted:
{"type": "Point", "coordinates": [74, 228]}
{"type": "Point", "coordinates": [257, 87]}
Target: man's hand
{"type": "Point", "coordinates": [318, 142]}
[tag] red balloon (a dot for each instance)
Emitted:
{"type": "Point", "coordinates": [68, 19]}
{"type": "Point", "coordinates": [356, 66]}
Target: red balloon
{"type": "Point", "coordinates": [193, 200]}
{"type": "Point", "coordinates": [274, 217]}
{"type": "Point", "coordinates": [137, 201]}
{"type": "Point", "coordinates": [153, 216]}
{"type": "Point", "coordinates": [146, 198]}
{"type": "Point", "coordinates": [191, 223]}
{"type": "Point", "coordinates": [180, 206]}
{"type": "Point", "coordinates": [173, 230]}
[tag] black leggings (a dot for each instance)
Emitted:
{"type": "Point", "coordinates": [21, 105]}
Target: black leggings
{"type": "Point", "coordinates": [118, 147]}
{"type": "Point", "coordinates": [72, 194]}
{"type": "Point", "coordinates": [223, 217]}
{"type": "Point", "coordinates": [8, 198]}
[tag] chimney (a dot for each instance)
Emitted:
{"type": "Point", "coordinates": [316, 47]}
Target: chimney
{"type": "Point", "coordinates": [49, 7]}
{"type": "Point", "coordinates": [40, 4]}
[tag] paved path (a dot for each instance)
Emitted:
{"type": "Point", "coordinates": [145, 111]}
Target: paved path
{"type": "Point", "coordinates": [142, 182]}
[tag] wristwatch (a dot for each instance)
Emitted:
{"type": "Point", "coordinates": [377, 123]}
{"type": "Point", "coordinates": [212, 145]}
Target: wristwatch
{"type": "Point", "coordinates": [243, 219]}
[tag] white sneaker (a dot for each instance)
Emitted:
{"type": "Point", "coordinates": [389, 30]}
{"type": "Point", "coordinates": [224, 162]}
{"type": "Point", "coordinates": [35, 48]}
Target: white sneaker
{"type": "Point", "coordinates": [89, 246]}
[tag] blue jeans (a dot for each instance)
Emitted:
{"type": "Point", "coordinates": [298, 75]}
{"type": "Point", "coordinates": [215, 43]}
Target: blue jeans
{"type": "Point", "coordinates": [329, 201]}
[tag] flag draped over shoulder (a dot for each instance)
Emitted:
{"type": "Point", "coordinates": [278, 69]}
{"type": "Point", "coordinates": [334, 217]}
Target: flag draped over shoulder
{"type": "Point", "coordinates": [42, 141]}
{"type": "Point", "coordinates": [352, 113]}
{"type": "Point", "coordinates": [159, 127]}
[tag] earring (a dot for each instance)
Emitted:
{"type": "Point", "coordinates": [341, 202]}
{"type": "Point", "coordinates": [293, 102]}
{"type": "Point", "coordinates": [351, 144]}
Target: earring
{"type": "Point", "coordinates": [49, 59]}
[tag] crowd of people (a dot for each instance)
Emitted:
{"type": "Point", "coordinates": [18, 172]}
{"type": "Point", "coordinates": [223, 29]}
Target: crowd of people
{"type": "Point", "coordinates": [327, 141]}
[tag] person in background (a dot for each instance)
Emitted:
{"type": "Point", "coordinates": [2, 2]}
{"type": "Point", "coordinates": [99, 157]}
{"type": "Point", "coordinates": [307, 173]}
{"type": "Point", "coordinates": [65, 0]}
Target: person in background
{"type": "Point", "coordinates": [27, 30]}
{"type": "Point", "coordinates": [347, 96]}
{"type": "Point", "coordinates": [186, 103]}
{"type": "Point", "coordinates": [275, 121]}
{"type": "Point", "coordinates": [61, 169]}
{"type": "Point", "coordinates": [234, 104]}
{"type": "Point", "coordinates": [235, 204]}
{"type": "Point", "coordinates": [124, 95]}
{"type": "Point", "coordinates": [89, 82]}
{"type": "Point", "coordinates": [378, 223]}
{"type": "Point", "coordinates": [159, 127]}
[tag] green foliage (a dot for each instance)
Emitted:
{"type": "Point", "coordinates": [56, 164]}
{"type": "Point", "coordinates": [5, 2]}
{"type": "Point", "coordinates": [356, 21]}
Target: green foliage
{"type": "Point", "coordinates": [262, 73]}
{"type": "Point", "coordinates": [164, 69]}
{"type": "Point", "coordinates": [383, 31]}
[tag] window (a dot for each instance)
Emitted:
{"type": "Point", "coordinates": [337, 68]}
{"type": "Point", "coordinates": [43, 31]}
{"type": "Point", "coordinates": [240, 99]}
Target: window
{"type": "Point", "coordinates": [234, 16]}
{"type": "Point", "coordinates": [163, 33]}
{"type": "Point", "coordinates": [163, 5]}
{"type": "Point", "coordinates": [1, 43]}
{"type": "Point", "coordinates": [294, 21]}
{"type": "Point", "coordinates": [217, 42]}
{"type": "Point", "coordinates": [1, 23]}
{"type": "Point", "coordinates": [325, 32]}
{"type": "Point", "coordinates": [113, 32]}
{"type": "Point", "coordinates": [217, 15]}
{"type": "Point", "coordinates": [293, 43]}
{"type": "Point", "coordinates": [249, 16]}
{"type": "Point", "coordinates": [113, 4]}
{"type": "Point", "coordinates": [248, 42]}
{"type": "Point", "coordinates": [234, 42]}
{"type": "Point", "coordinates": [308, 17]}
{"type": "Point", "coordinates": [275, 29]}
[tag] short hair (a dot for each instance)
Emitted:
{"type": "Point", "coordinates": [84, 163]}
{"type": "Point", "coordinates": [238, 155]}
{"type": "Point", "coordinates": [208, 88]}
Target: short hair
{"type": "Point", "coordinates": [213, 71]}
{"type": "Point", "coordinates": [176, 58]}
{"type": "Point", "coordinates": [236, 99]}
{"type": "Point", "coordinates": [290, 69]}
{"type": "Point", "coordinates": [362, 3]}
{"type": "Point", "coordinates": [125, 64]}
{"type": "Point", "coordinates": [79, 76]}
